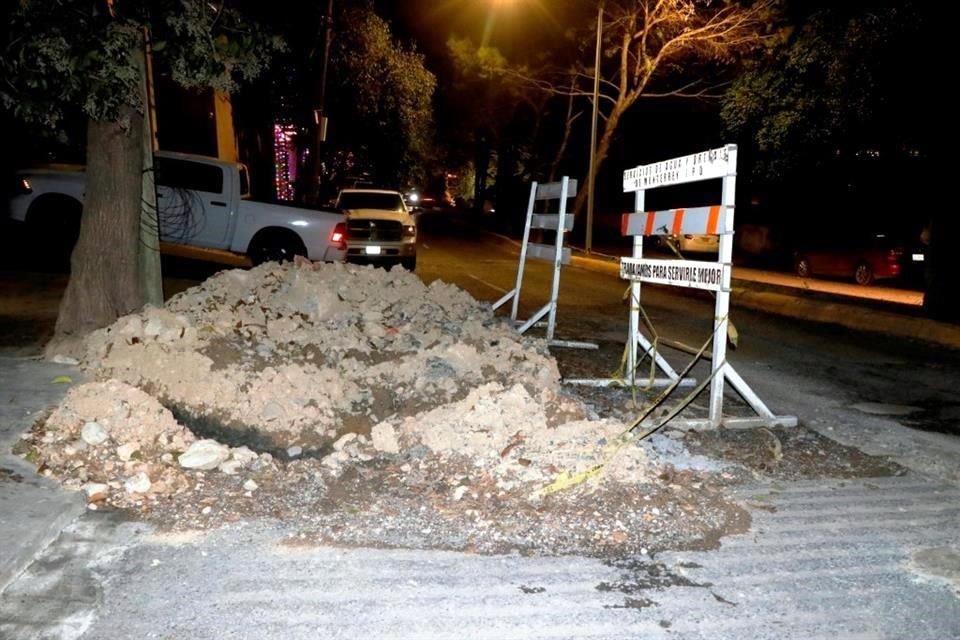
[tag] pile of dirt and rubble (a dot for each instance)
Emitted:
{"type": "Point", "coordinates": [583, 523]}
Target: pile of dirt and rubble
{"type": "Point", "coordinates": [369, 407]}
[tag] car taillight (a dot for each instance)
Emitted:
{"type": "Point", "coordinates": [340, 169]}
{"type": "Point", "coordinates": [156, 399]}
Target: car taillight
{"type": "Point", "coordinates": [339, 234]}
{"type": "Point", "coordinates": [24, 186]}
{"type": "Point", "coordinates": [894, 255]}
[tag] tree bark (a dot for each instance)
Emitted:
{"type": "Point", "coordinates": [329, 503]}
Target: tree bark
{"type": "Point", "coordinates": [603, 149]}
{"type": "Point", "coordinates": [564, 142]}
{"type": "Point", "coordinates": [481, 167]}
{"type": "Point", "coordinates": [149, 249]}
{"type": "Point", "coordinates": [105, 276]}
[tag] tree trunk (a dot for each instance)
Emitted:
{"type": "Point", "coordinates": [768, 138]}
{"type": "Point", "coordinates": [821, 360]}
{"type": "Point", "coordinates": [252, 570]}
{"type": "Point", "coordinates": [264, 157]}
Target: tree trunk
{"type": "Point", "coordinates": [603, 149]}
{"type": "Point", "coordinates": [940, 300]}
{"type": "Point", "coordinates": [105, 277]}
{"type": "Point", "coordinates": [481, 167]}
{"type": "Point", "coordinates": [564, 142]}
{"type": "Point", "coordinates": [149, 249]}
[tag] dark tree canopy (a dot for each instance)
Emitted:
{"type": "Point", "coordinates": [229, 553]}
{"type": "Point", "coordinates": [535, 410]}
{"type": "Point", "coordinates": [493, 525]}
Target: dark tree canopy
{"type": "Point", "coordinates": [76, 54]}
{"type": "Point", "coordinates": [846, 82]}
{"type": "Point", "coordinates": [88, 57]}
{"type": "Point", "coordinates": [383, 101]}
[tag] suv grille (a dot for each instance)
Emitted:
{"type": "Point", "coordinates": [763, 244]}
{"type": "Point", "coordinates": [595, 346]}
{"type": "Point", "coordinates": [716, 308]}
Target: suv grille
{"type": "Point", "coordinates": [375, 230]}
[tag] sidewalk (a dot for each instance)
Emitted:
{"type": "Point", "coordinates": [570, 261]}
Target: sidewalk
{"type": "Point", "coordinates": [33, 510]}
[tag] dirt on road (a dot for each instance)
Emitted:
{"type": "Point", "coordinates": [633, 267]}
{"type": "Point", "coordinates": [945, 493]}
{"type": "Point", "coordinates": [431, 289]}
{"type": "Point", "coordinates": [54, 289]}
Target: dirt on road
{"type": "Point", "coordinates": [371, 409]}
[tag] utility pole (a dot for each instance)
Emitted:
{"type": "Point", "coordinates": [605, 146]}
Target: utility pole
{"type": "Point", "coordinates": [321, 116]}
{"type": "Point", "coordinates": [591, 172]}
{"type": "Point", "coordinates": [320, 120]}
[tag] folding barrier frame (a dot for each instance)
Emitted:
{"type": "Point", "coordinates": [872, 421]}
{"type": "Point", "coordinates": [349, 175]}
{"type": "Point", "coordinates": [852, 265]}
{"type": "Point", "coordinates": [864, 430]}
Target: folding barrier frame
{"type": "Point", "coordinates": [713, 276]}
{"type": "Point", "coordinates": [559, 255]}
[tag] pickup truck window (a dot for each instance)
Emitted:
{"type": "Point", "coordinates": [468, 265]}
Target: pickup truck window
{"type": "Point", "coordinates": [193, 176]}
{"type": "Point", "coordinates": [244, 182]}
{"type": "Point", "coordinates": [361, 200]}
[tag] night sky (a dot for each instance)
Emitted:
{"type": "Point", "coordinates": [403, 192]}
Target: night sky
{"type": "Point", "coordinates": [516, 27]}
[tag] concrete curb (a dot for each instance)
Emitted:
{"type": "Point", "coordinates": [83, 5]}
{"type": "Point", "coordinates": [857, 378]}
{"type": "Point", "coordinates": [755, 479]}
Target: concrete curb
{"type": "Point", "coordinates": [850, 316]}
{"type": "Point", "coordinates": [43, 510]}
{"type": "Point", "coordinates": [33, 509]}
{"type": "Point", "coordinates": [839, 312]}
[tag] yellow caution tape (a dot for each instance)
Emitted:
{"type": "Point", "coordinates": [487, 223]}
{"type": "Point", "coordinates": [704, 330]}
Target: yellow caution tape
{"type": "Point", "coordinates": [567, 480]}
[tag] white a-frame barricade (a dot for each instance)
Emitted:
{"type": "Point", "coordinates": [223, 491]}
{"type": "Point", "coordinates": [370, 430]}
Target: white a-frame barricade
{"type": "Point", "coordinates": [561, 222]}
{"type": "Point", "coordinates": [712, 276]}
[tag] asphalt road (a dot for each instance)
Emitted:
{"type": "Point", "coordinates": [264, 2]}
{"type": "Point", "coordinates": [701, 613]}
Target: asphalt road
{"type": "Point", "coordinates": [855, 367]}
{"type": "Point", "coordinates": [868, 559]}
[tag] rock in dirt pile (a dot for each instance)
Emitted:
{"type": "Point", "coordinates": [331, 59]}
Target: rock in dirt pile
{"type": "Point", "coordinates": [314, 372]}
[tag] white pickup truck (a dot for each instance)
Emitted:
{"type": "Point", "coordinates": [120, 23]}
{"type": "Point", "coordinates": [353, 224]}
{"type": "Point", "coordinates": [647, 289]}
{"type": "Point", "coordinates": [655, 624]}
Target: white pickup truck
{"type": "Point", "coordinates": [203, 202]}
{"type": "Point", "coordinates": [380, 228]}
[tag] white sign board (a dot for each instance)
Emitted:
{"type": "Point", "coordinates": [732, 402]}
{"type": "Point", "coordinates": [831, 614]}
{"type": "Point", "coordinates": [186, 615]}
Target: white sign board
{"type": "Point", "coordinates": [698, 166]}
{"type": "Point", "coordinates": [677, 273]}
{"type": "Point", "coordinates": [553, 190]}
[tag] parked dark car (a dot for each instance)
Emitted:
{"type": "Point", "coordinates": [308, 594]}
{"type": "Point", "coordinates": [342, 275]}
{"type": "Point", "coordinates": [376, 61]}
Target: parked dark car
{"type": "Point", "coordinates": [864, 259]}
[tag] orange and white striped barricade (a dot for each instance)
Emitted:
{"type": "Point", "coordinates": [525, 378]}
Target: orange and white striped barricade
{"type": "Point", "coordinates": [714, 164]}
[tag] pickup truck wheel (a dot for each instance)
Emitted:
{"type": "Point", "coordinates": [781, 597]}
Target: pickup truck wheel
{"type": "Point", "coordinates": [410, 264]}
{"type": "Point", "coordinates": [280, 247]}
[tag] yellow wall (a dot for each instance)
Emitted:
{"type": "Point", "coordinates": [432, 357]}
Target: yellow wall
{"type": "Point", "coordinates": [223, 118]}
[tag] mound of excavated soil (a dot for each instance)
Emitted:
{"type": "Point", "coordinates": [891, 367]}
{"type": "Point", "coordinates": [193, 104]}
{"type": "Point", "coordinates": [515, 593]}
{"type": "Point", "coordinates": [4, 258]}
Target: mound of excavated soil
{"type": "Point", "coordinates": [411, 403]}
{"type": "Point", "coordinates": [303, 354]}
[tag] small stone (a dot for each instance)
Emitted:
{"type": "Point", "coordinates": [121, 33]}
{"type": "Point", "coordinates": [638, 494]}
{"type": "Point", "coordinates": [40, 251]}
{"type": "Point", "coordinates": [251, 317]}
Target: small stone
{"type": "Point", "coordinates": [67, 360]}
{"type": "Point", "coordinates": [204, 455]}
{"type": "Point", "coordinates": [243, 455]}
{"type": "Point", "coordinates": [93, 433]}
{"type": "Point", "coordinates": [126, 451]}
{"type": "Point", "coordinates": [206, 510]}
{"type": "Point", "coordinates": [231, 467]}
{"type": "Point", "coordinates": [459, 492]}
{"type": "Point", "coordinates": [132, 327]}
{"type": "Point", "coordinates": [344, 439]}
{"type": "Point", "coordinates": [264, 462]}
{"type": "Point", "coordinates": [250, 485]}
{"type": "Point", "coordinates": [95, 491]}
{"type": "Point", "coordinates": [294, 452]}
{"type": "Point", "coordinates": [167, 458]}
{"type": "Point", "coordinates": [153, 327]}
{"type": "Point", "coordinates": [139, 483]}
{"type": "Point", "coordinates": [384, 438]}
{"type": "Point", "coordinates": [271, 412]}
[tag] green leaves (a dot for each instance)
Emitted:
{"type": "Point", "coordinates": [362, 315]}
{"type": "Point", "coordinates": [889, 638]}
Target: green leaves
{"type": "Point", "coordinates": [70, 55]}
{"type": "Point", "coordinates": [389, 89]}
